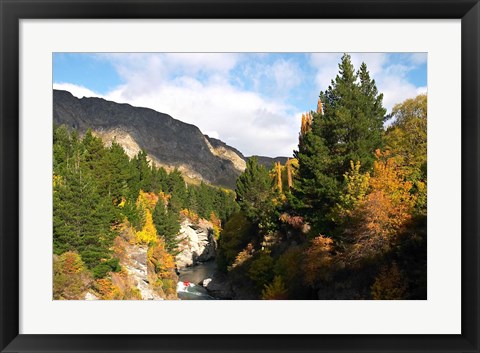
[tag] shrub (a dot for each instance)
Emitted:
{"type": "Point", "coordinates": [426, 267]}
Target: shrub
{"type": "Point", "coordinates": [275, 290]}
{"type": "Point", "coordinates": [261, 269]}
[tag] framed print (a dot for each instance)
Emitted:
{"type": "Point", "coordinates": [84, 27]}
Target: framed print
{"type": "Point", "coordinates": [229, 176]}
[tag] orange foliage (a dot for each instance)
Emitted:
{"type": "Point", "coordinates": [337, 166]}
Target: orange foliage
{"type": "Point", "coordinates": [190, 215]}
{"type": "Point", "coordinates": [164, 197]}
{"type": "Point", "coordinates": [306, 124]}
{"type": "Point", "coordinates": [319, 107]}
{"type": "Point", "coordinates": [161, 270]}
{"type": "Point", "coordinates": [147, 200]}
{"type": "Point", "coordinates": [242, 256]}
{"type": "Point", "coordinates": [289, 173]}
{"type": "Point", "coordinates": [216, 224]}
{"type": "Point", "coordinates": [70, 277]}
{"type": "Point", "coordinates": [319, 259]}
{"type": "Point", "coordinates": [381, 215]}
{"type": "Point", "coordinates": [295, 222]}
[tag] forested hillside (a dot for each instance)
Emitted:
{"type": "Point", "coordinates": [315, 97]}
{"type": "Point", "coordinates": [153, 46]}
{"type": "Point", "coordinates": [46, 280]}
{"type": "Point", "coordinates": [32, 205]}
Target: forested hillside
{"type": "Point", "coordinates": [345, 219]}
{"type": "Point", "coordinates": [103, 200]}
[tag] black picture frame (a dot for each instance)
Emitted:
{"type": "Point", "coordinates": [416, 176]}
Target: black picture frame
{"type": "Point", "coordinates": [13, 10]}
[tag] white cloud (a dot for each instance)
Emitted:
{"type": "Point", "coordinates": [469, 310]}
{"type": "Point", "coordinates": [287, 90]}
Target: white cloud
{"type": "Point", "coordinates": [77, 91]}
{"type": "Point", "coordinates": [245, 120]}
{"type": "Point", "coordinates": [206, 90]}
{"type": "Point", "coordinates": [418, 58]}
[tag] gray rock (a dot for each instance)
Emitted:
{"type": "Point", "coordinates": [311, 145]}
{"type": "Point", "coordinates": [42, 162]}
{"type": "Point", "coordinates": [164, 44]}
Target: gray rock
{"type": "Point", "coordinates": [220, 287]}
{"type": "Point", "coordinates": [196, 244]}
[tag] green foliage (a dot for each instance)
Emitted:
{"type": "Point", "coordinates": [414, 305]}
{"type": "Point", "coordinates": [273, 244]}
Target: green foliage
{"type": "Point", "coordinates": [353, 117]}
{"type": "Point", "coordinates": [82, 217]}
{"type": "Point", "coordinates": [348, 128]}
{"type": "Point", "coordinates": [235, 236]}
{"type": "Point", "coordinates": [96, 188]}
{"type": "Point", "coordinates": [167, 223]}
{"type": "Point", "coordinates": [315, 186]}
{"type": "Point", "coordinates": [407, 136]}
{"type": "Point", "coordinates": [261, 269]}
{"type": "Point", "coordinates": [407, 140]}
{"type": "Point", "coordinates": [255, 193]}
{"type": "Point", "coordinates": [70, 277]}
{"type": "Point", "coordinates": [102, 269]}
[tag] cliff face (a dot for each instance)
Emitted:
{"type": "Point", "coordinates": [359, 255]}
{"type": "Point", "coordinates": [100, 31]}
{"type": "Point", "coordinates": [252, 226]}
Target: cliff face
{"type": "Point", "coordinates": [197, 243]}
{"type": "Point", "coordinates": [168, 142]}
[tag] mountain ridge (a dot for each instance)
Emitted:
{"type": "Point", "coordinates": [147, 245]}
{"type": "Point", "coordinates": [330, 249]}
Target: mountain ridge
{"type": "Point", "coordinates": [169, 142]}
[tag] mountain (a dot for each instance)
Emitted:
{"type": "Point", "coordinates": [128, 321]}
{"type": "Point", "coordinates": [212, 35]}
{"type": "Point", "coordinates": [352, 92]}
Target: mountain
{"type": "Point", "coordinates": [169, 143]}
{"type": "Point", "coordinates": [269, 161]}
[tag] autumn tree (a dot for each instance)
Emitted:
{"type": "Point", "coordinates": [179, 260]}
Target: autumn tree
{"type": "Point", "coordinates": [383, 213]}
{"type": "Point", "coordinates": [70, 276]}
{"type": "Point", "coordinates": [319, 260]}
{"type": "Point", "coordinates": [275, 290]}
{"type": "Point", "coordinates": [407, 136]}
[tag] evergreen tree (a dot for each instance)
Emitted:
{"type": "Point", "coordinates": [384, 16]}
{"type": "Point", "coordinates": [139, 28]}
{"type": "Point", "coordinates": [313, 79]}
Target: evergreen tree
{"type": "Point", "coordinates": [177, 188]}
{"type": "Point", "coordinates": [144, 173]}
{"type": "Point", "coordinates": [167, 222]}
{"type": "Point", "coordinates": [315, 186]}
{"type": "Point", "coordinates": [254, 191]}
{"type": "Point", "coordinates": [116, 173]}
{"type": "Point", "coordinates": [81, 218]}
{"type": "Point", "coordinates": [347, 127]}
{"type": "Point", "coordinates": [352, 119]}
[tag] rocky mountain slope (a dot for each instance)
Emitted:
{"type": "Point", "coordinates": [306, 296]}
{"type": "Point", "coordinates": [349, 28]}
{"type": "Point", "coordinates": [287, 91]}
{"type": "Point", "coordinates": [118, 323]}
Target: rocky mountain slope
{"type": "Point", "coordinates": [169, 143]}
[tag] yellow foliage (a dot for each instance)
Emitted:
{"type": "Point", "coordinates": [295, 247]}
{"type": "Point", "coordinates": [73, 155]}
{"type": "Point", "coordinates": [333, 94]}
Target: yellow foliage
{"type": "Point", "coordinates": [147, 200]}
{"type": "Point", "coordinates": [122, 202]}
{"type": "Point", "coordinates": [355, 189]}
{"type": "Point", "coordinates": [275, 290]}
{"type": "Point", "coordinates": [381, 215]}
{"type": "Point", "coordinates": [148, 234]}
{"type": "Point", "coordinates": [57, 180]}
{"type": "Point", "coordinates": [161, 270]}
{"type": "Point", "coordinates": [242, 256]}
{"type": "Point", "coordinates": [217, 225]}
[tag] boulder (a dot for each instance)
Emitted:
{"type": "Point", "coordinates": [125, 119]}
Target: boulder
{"type": "Point", "coordinates": [220, 287]}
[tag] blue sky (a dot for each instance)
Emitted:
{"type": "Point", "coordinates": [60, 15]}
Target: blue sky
{"type": "Point", "coordinates": [253, 101]}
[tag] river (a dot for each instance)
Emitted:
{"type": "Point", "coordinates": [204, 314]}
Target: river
{"type": "Point", "coordinates": [190, 286]}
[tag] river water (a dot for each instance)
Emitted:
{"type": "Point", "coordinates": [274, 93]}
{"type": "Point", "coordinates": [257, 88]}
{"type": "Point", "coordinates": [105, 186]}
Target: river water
{"type": "Point", "coordinates": [190, 286]}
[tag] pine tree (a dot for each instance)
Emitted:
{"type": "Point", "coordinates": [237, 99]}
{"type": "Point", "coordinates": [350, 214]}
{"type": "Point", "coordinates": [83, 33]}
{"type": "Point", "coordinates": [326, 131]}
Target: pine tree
{"type": "Point", "coordinates": [353, 117]}
{"type": "Point", "coordinates": [167, 223]}
{"type": "Point", "coordinates": [254, 190]}
{"type": "Point", "coordinates": [315, 186]}
{"type": "Point", "coordinates": [81, 218]}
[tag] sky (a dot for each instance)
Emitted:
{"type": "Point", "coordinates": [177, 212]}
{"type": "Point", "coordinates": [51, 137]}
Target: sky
{"type": "Point", "coordinates": [251, 101]}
